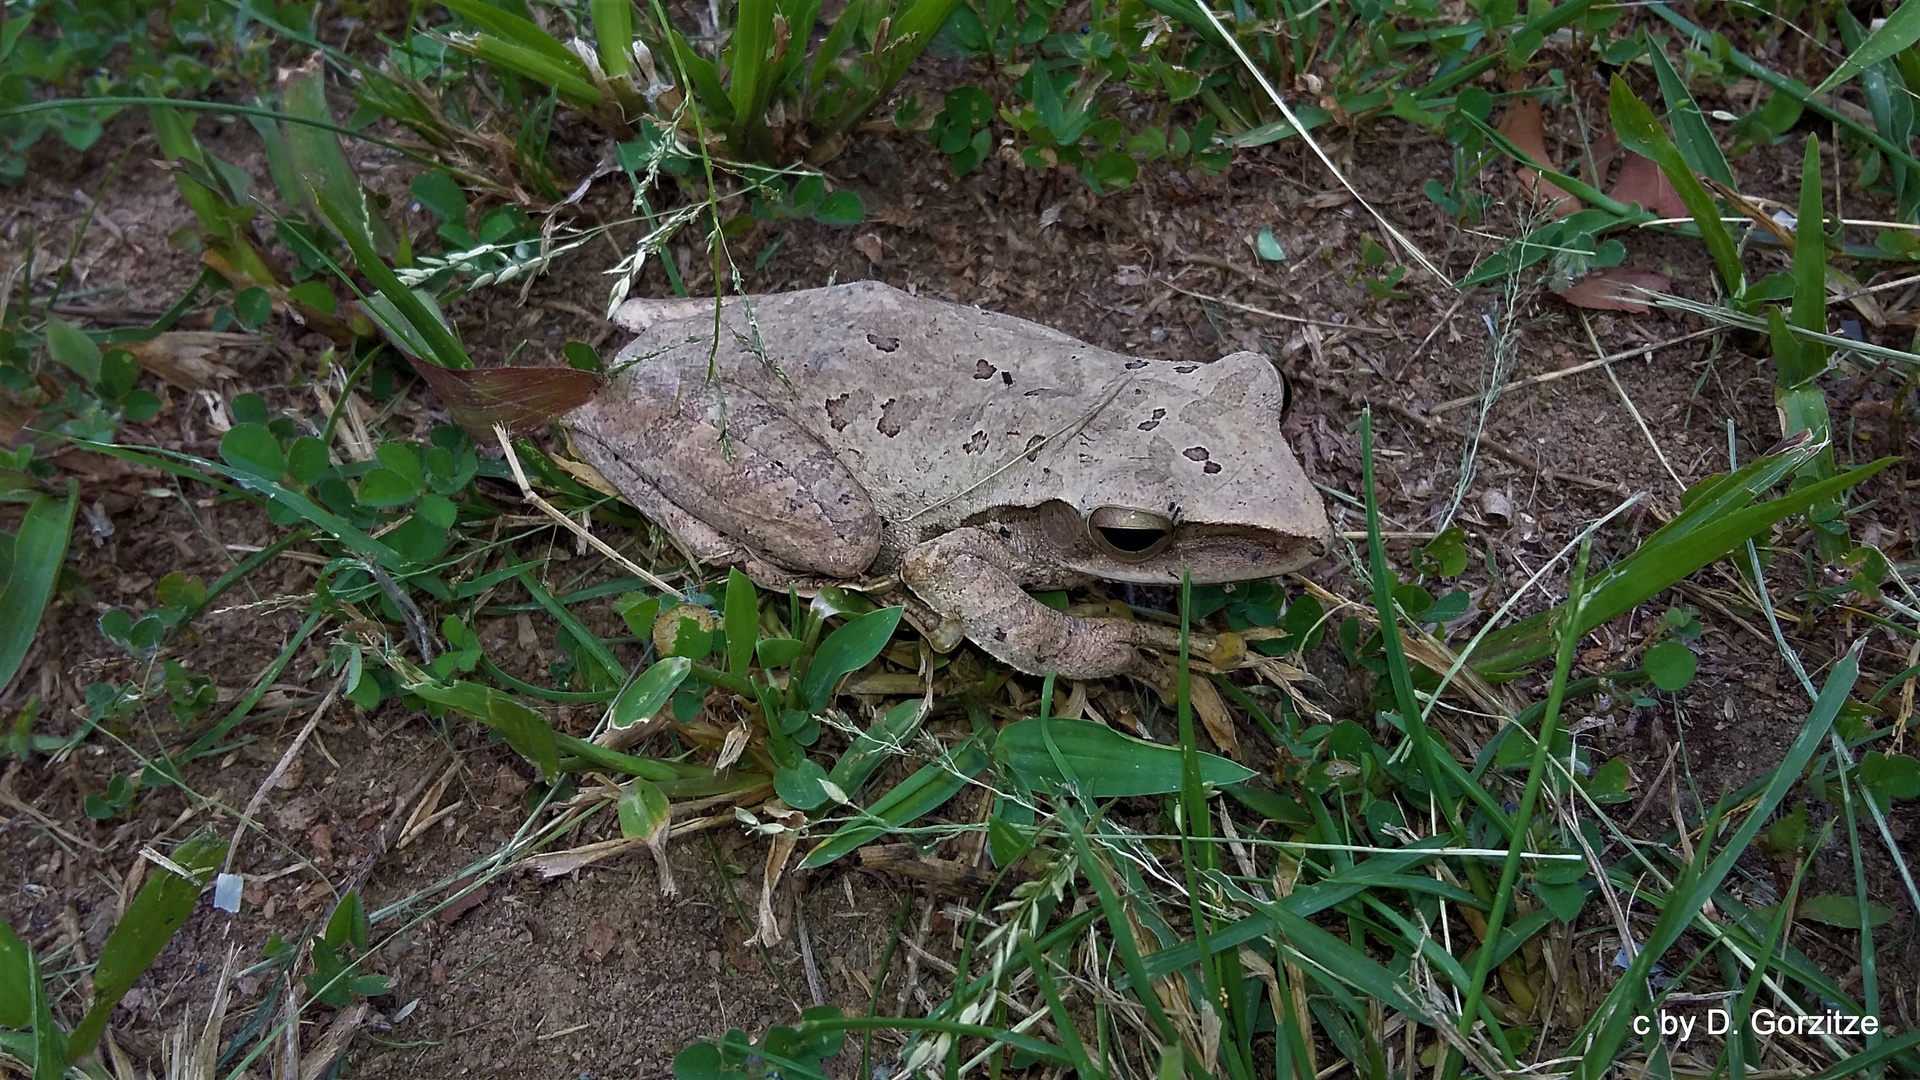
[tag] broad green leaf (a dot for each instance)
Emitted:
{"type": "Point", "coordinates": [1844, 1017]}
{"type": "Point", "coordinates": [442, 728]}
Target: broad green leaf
{"type": "Point", "coordinates": [27, 578]}
{"type": "Point", "coordinates": [17, 980]}
{"type": "Point", "coordinates": [843, 207]}
{"type": "Point", "coordinates": [158, 910]}
{"type": "Point", "coordinates": [1842, 911]}
{"type": "Point", "coordinates": [922, 793]}
{"type": "Point", "coordinates": [802, 785]}
{"type": "Point", "coordinates": [524, 729]}
{"type": "Point", "coordinates": [251, 449]}
{"type": "Point", "coordinates": [644, 813]}
{"type": "Point", "coordinates": [1899, 32]}
{"type": "Point", "coordinates": [382, 488]}
{"type": "Point", "coordinates": [848, 649]}
{"type": "Point", "coordinates": [741, 622]}
{"type": "Point", "coordinates": [1105, 763]}
{"type": "Point", "coordinates": [645, 695]}
{"type": "Point", "coordinates": [1670, 665]}
{"type": "Point", "coordinates": [70, 346]}
{"type": "Point", "coordinates": [441, 195]}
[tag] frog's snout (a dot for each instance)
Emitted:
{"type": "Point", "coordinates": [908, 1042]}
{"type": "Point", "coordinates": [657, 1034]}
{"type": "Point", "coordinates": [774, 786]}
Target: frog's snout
{"type": "Point", "coordinates": [1129, 534]}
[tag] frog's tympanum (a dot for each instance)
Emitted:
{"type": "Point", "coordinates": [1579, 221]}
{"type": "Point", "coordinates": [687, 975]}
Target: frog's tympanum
{"type": "Point", "coordinates": [850, 434]}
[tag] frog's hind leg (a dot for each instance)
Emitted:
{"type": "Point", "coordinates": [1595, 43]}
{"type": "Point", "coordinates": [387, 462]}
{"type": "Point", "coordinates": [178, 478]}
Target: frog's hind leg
{"type": "Point", "coordinates": [970, 577]}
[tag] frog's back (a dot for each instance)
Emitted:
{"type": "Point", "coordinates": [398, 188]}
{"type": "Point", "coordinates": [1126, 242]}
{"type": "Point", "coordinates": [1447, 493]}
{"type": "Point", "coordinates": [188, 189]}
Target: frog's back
{"type": "Point", "coordinates": [942, 411]}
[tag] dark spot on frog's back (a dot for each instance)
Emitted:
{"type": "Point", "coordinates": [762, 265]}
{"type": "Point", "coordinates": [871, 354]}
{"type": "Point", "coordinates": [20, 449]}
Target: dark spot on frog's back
{"type": "Point", "coordinates": [1199, 453]}
{"type": "Point", "coordinates": [837, 410]}
{"type": "Point", "coordinates": [975, 444]}
{"type": "Point", "coordinates": [983, 370]}
{"type": "Point", "coordinates": [1186, 369]}
{"type": "Point", "coordinates": [1136, 364]}
{"type": "Point", "coordinates": [883, 343]}
{"type": "Point", "coordinates": [1033, 447]}
{"type": "Point", "coordinates": [889, 424]}
{"type": "Point", "coordinates": [1153, 421]}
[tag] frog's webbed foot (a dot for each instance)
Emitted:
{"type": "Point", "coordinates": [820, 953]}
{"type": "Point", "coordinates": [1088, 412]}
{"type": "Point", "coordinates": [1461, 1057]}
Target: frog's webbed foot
{"type": "Point", "coordinates": [969, 577]}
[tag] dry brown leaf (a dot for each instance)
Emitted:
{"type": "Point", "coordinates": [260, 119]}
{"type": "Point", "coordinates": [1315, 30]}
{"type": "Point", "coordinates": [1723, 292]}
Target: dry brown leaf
{"type": "Point", "coordinates": [1641, 181]}
{"type": "Point", "coordinates": [778, 852]}
{"type": "Point", "coordinates": [521, 399]}
{"type": "Point", "coordinates": [187, 358]}
{"type": "Point", "coordinates": [1525, 127]}
{"type": "Point", "coordinates": [1615, 289]}
{"type": "Point", "coordinates": [869, 244]}
{"type": "Point", "coordinates": [1213, 713]}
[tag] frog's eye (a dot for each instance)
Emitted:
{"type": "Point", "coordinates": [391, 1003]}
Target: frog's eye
{"type": "Point", "coordinates": [1129, 534]}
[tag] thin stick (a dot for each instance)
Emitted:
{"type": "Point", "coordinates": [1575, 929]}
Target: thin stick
{"type": "Point", "coordinates": [1282, 316]}
{"type": "Point", "coordinates": [1532, 380]}
{"type": "Point", "coordinates": [280, 770]}
{"type": "Point", "coordinates": [1632, 410]}
{"type": "Point", "coordinates": [553, 512]}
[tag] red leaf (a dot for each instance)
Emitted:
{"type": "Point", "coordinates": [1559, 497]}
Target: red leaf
{"type": "Point", "coordinates": [1615, 289]}
{"type": "Point", "coordinates": [1641, 181]}
{"type": "Point", "coordinates": [1526, 128]}
{"type": "Point", "coordinates": [521, 399]}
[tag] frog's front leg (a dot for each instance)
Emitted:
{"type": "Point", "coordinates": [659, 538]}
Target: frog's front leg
{"type": "Point", "coordinates": [969, 576]}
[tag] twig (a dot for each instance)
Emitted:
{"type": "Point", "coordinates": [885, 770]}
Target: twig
{"type": "Point", "coordinates": [553, 512]}
{"type": "Point", "coordinates": [1534, 380]}
{"type": "Point", "coordinates": [280, 770]}
{"type": "Point", "coordinates": [1251, 310]}
{"type": "Point", "coordinates": [806, 958]}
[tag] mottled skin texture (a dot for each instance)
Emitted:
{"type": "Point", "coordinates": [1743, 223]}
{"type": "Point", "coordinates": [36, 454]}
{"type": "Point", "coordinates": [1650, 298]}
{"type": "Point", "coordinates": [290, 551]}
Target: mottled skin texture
{"type": "Point", "coordinates": [870, 433]}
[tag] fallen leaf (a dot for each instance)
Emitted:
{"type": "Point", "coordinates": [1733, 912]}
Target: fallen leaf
{"type": "Point", "coordinates": [1641, 181]}
{"type": "Point", "coordinates": [321, 838]}
{"type": "Point", "coordinates": [452, 912]}
{"type": "Point", "coordinates": [1616, 289]}
{"type": "Point", "coordinates": [187, 358]}
{"type": "Point", "coordinates": [869, 245]}
{"type": "Point", "coordinates": [1525, 127]}
{"type": "Point", "coordinates": [521, 399]}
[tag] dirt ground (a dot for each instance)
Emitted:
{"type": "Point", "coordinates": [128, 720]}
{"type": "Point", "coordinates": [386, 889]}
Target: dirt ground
{"type": "Point", "coordinates": [596, 974]}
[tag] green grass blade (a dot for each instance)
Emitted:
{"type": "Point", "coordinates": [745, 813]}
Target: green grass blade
{"type": "Point", "coordinates": [588, 640]}
{"type": "Point", "coordinates": [316, 157]}
{"type": "Point", "coordinates": [1690, 131]}
{"type": "Point", "coordinates": [1714, 521]}
{"type": "Point", "coordinates": [1601, 1038]}
{"type": "Point", "coordinates": [922, 793]}
{"type": "Point", "coordinates": [613, 33]}
{"type": "Point", "coordinates": [1530, 795]}
{"type": "Point", "coordinates": [521, 32]}
{"type": "Point", "coordinates": [158, 910]}
{"type": "Point", "coordinates": [39, 549]}
{"type": "Point", "coordinates": [523, 727]}
{"type": "Point", "coordinates": [887, 735]}
{"type": "Point", "coordinates": [1794, 88]}
{"type": "Point", "coordinates": [1062, 1019]}
{"type": "Point", "coordinates": [1900, 31]}
{"type": "Point", "coordinates": [747, 57]}
{"type": "Point", "coordinates": [1641, 133]}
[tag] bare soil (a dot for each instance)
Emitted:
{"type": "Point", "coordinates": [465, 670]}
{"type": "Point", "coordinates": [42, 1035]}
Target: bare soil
{"type": "Point", "coordinates": [598, 974]}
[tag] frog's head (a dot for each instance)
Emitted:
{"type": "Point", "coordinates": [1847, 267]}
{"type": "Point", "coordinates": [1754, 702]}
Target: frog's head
{"type": "Point", "coordinates": [1184, 469]}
